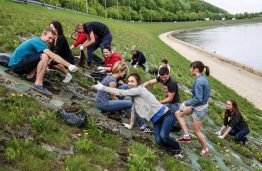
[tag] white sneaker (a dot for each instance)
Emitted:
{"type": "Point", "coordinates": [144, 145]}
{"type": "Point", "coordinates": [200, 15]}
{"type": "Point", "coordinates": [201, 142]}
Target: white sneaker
{"type": "Point", "coordinates": [68, 78]}
{"type": "Point", "coordinates": [72, 68]}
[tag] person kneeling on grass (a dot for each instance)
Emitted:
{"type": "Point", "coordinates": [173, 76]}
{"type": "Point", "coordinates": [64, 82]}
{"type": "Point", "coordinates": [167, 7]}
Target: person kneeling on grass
{"type": "Point", "coordinates": [234, 123]}
{"type": "Point", "coordinates": [147, 106]}
{"type": "Point", "coordinates": [198, 105]}
{"type": "Point", "coordinates": [32, 56]}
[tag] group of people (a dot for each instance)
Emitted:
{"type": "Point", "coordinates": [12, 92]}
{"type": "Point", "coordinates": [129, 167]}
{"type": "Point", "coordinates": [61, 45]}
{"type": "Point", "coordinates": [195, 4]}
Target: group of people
{"type": "Point", "coordinates": [51, 50]}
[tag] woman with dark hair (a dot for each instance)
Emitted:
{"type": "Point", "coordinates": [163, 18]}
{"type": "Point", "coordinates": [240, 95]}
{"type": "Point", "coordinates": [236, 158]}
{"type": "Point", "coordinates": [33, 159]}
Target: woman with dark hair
{"type": "Point", "coordinates": [61, 48]}
{"type": "Point", "coordinates": [234, 123]}
{"type": "Point", "coordinates": [197, 106]}
{"type": "Point", "coordinates": [147, 106]}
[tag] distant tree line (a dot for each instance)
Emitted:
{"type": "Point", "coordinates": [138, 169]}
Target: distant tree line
{"type": "Point", "coordinates": [150, 10]}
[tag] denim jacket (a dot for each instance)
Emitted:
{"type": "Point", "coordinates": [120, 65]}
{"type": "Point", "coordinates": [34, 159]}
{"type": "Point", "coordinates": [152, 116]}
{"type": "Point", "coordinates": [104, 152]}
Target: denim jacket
{"type": "Point", "coordinates": [200, 90]}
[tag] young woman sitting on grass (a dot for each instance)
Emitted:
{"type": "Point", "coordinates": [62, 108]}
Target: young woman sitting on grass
{"type": "Point", "coordinates": [234, 123]}
{"type": "Point", "coordinates": [147, 106]}
{"type": "Point", "coordinates": [108, 102]}
{"type": "Point", "coordinates": [61, 48]}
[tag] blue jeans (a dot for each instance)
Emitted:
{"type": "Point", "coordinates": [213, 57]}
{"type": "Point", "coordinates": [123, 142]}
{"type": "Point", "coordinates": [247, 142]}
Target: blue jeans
{"type": "Point", "coordinates": [240, 135]}
{"type": "Point", "coordinates": [162, 129]}
{"type": "Point", "coordinates": [116, 105]}
{"type": "Point", "coordinates": [173, 107]}
{"type": "Point", "coordinates": [103, 42]}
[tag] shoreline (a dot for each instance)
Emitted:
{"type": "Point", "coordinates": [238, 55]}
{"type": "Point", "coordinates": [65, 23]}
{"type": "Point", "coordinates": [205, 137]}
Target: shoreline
{"type": "Point", "coordinates": [243, 79]}
{"type": "Point", "coordinates": [215, 55]}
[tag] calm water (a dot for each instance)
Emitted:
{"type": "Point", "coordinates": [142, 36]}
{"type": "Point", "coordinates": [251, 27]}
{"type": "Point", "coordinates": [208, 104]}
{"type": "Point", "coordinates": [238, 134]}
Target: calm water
{"type": "Point", "coordinates": [242, 43]}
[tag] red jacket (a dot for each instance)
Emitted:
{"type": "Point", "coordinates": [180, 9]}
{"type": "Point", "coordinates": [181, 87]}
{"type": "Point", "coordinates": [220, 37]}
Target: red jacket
{"type": "Point", "coordinates": [81, 38]}
{"type": "Point", "coordinates": [109, 62]}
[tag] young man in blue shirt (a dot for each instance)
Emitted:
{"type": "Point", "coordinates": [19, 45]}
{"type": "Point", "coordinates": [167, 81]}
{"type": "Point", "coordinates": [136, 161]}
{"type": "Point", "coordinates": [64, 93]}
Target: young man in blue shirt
{"type": "Point", "coordinates": [31, 57]}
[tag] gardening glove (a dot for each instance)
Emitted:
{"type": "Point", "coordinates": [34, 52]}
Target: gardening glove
{"type": "Point", "coordinates": [102, 71]}
{"type": "Point", "coordinates": [81, 47]}
{"type": "Point", "coordinates": [134, 66]}
{"type": "Point", "coordinates": [218, 133]}
{"type": "Point", "coordinates": [98, 86]}
{"type": "Point", "coordinates": [221, 137]}
{"type": "Point", "coordinates": [72, 68]}
{"type": "Point", "coordinates": [127, 125]}
{"type": "Point", "coordinates": [100, 68]}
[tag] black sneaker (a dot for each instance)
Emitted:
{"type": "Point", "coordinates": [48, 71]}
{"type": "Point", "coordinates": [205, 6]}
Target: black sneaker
{"type": "Point", "coordinates": [245, 142]}
{"type": "Point", "coordinates": [147, 129]}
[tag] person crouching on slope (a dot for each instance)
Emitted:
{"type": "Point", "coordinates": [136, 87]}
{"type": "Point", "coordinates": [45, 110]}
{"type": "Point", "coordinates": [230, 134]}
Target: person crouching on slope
{"type": "Point", "coordinates": [32, 56]}
{"type": "Point", "coordinates": [234, 123]}
{"type": "Point", "coordinates": [147, 106]}
{"type": "Point", "coordinates": [198, 105]}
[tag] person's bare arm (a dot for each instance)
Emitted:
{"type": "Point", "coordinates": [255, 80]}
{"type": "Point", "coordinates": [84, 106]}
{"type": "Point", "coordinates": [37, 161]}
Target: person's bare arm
{"type": "Point", "coordinates": [91, 40]}
{"type": "Point", "coordinates": [168, 99]}
{"type": "Point", "coordinates": [150, 82]}
{"type": "Point", "coordinates": [113, 84]}
{"type": "Point", "coordinates": [56, 57]}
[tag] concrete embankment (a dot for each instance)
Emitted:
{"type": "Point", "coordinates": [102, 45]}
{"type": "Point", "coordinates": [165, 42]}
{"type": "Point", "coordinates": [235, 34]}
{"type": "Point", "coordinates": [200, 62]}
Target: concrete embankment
{"type": "Point", "coordinates": [245, 80]}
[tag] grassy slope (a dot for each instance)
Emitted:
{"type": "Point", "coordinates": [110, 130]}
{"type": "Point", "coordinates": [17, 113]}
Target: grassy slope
{"type": "Point", "coordinates": [24, 19]}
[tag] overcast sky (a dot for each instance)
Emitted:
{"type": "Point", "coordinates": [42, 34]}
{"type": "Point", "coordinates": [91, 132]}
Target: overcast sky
{"type": "Point", "coordinates": [238, 6]}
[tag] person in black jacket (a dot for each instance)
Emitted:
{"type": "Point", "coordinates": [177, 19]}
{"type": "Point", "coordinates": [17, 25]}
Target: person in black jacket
{"type": "Point", "coordinates": [234, 123]}
{"type": "Point", "coordinates": [138, 58]}
{"type": "Point", "coordinates": [98, 36]}
{"type": "Point", "coordinates": [61, 48]}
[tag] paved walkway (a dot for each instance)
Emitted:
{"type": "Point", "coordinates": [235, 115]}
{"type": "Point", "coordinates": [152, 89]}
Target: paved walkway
{"type": "Point", "coordinates": [246, 84]}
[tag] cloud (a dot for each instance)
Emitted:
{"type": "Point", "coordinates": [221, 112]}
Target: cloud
{"type": "Point", "coordinates": [238, 6]}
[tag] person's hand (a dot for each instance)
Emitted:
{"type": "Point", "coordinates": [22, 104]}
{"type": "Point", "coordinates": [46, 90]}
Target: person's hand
{"type": "Point", "coordinates": [98, 86]}
{"type": "Point", "coordinates": [81, 47]}
{"type": "Point", "coordinates": [72, 68]}
{"type": "Point", "coordinates": [100, 68]}
{"type": "Point", "coordinates": [220, 137]}
{"type": "Point", "coordinates": [128, 126]}
{"type": "Point", "coordinates": [102, 71]}
{"type": "Point", "coordinates": [217, 133]}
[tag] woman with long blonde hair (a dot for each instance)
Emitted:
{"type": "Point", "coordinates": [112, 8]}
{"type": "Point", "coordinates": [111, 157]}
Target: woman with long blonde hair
{"type": "Point", "coordinates": [108, 102]}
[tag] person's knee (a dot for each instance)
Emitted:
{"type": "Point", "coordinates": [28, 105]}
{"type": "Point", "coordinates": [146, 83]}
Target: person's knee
{"type": "Point", "coordinates": [238, 138]}
{"type": "Point", "coordinates": [196, 131]}
{"type": "Point", "coordinates": [158, 140]}
{"type": "Point", "coordinates": [164, 137]}
{"type": "Point", "coordinates": [178, 114]}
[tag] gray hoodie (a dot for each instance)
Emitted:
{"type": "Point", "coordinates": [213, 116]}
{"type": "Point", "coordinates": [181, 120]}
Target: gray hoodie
{"type": "Point", "coordinates": [144, 102]}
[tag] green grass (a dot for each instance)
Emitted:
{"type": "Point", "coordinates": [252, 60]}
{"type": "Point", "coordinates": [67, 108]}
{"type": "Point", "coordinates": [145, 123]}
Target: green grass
{"type": "Point", "coordinates": [141, 157]}
{"type": "Point", "coordinates": [173, 164]}
{"type": "Point", "coordinates": [16, 110]}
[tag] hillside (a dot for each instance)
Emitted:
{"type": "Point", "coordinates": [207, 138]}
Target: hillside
{"type": "Point", "coordinates": [144, 10]}
{"type": "Point", "coordinates": [32, 132]}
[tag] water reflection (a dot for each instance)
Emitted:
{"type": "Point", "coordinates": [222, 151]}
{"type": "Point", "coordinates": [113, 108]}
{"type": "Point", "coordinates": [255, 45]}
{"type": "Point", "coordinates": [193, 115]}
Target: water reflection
{"type": "Point", "coordinates": [241, 43]}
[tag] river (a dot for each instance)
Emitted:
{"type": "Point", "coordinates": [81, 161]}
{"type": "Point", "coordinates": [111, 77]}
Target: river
{"type": "Point", "coordinates": [241, 43]}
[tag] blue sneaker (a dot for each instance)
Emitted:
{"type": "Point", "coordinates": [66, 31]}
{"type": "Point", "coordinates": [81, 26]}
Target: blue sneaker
{"type": "Point", "coordinates": [41, 89]}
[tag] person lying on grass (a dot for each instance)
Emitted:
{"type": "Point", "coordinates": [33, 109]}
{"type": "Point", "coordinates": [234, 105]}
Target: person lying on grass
{"type": "Point", "coordinates": [234, 123]}
{"type": "Point", "coordinates": [147, 106]}
{"type": "Point", "coordinates": [32, 56]}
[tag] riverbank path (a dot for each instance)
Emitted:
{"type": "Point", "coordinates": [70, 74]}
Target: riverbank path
{"type": "Point", "coordinates": [246, 84]}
